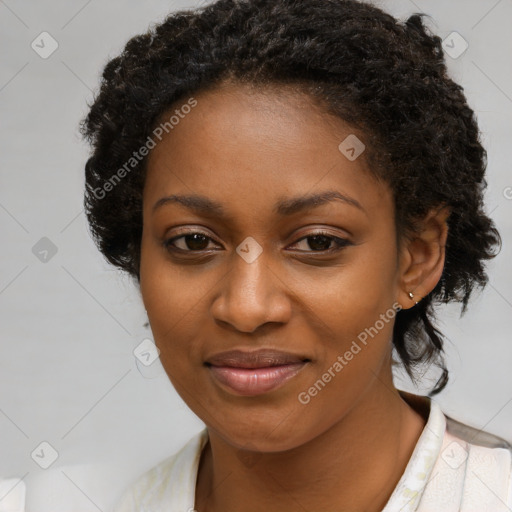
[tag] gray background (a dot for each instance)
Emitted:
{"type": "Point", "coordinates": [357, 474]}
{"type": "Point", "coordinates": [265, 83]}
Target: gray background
{"type": "Point", "coordinates": [69, 325]}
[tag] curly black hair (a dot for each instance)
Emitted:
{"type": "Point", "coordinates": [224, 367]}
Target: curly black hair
{"type": "Point", "coordinates": [386, 78]}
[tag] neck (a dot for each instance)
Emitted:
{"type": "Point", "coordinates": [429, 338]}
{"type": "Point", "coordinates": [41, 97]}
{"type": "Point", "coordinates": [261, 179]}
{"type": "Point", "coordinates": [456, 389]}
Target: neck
{"type": "Point", "coordinates": [355, 465]}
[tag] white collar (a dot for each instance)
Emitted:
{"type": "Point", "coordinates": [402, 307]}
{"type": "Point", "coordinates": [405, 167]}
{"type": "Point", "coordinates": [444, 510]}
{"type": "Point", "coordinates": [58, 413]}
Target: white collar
{"type": "Point", "coordinates": [409, 490]}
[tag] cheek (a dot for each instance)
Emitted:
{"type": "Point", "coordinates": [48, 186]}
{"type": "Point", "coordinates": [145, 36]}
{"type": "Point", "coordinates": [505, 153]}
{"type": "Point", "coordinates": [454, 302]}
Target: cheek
{"type": "Point", "coordinates": [352, 297]}
{"type": "Point", "coordinates": [172, 314]}
{"type": "Point", "coordinates": [354, 306]}
{"type": "Point", "coordinates": [357, 322]}
{"type": "Point", "coordinates": [173, 299]}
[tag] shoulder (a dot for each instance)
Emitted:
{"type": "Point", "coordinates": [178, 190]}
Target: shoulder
{"type": "Point", "coordinates": [475, 436]}
{"type": "Point", "coordinates": [487, 462]}
{"type": "Point", "coordinates": [170, 483]}
{"type": "Point", "coordinates": [473, 470]}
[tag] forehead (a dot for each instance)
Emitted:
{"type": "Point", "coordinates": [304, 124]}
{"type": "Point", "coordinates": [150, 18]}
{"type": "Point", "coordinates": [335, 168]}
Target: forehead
{"type": "Point", "coordinates": [248, 148]}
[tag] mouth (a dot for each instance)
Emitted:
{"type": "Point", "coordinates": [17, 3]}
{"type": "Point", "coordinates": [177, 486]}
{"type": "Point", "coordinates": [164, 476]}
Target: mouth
{"type": "Point", "coordinates": [256, 372]}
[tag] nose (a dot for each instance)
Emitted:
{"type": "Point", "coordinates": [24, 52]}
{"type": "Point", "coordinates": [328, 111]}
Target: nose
{"type": "Point", "coordinates": [252, 294]}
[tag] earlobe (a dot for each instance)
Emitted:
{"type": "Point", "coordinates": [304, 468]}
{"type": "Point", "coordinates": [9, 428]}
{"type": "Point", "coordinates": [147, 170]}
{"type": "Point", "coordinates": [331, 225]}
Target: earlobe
{"type": "Point", "coordinates": [422, 258]}
{"type": "Point", "coordinates": [411, 296]}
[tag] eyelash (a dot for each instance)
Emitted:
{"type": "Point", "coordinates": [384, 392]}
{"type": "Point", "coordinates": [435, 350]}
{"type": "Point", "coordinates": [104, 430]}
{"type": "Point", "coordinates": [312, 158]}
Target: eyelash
{"type": "Point", "coordinates": [340, 242]}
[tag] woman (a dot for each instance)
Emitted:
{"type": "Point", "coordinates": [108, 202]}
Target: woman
{"type": "Point", "coordinates": [295, 185]}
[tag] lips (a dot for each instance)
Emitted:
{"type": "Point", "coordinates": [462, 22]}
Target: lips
{"type": "Point", "coordinates": [262, 358]}
{"type": "Point", "coordinates": [255, 372]}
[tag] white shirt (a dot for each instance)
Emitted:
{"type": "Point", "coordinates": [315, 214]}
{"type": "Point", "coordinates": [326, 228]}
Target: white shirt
{"type": "Point", "coordinates": [447, 472]}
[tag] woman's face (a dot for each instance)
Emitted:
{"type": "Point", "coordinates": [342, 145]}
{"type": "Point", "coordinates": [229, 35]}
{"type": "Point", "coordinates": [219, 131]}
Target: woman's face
{"type": "Point", "coordinates": [264, 269]}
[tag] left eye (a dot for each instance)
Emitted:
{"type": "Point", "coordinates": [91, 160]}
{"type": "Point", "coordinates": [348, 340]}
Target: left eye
{"type": "Point", "coordinates": [319, 241]}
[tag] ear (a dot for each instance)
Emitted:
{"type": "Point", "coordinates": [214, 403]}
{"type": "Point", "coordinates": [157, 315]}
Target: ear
{"type": "Point", "coordinates": [421, 258]}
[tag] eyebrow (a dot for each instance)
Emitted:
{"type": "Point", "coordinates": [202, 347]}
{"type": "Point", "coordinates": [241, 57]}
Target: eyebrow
{"type": "Point", "coordinates": [284, 207]}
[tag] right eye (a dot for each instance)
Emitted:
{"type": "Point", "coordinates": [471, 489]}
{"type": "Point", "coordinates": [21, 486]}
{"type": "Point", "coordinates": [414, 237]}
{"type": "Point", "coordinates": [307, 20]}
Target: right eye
{"type": "Point", "coordinates": [192, 241]}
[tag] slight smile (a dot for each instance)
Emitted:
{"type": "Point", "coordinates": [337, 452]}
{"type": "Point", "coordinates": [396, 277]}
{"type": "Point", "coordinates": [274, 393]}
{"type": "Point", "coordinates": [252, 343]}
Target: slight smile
{"type": "Point", "coordinates": [256, 372]}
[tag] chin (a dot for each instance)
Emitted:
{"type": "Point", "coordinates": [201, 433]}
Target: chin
{"type": "Point", "coordinates": [260, 433]}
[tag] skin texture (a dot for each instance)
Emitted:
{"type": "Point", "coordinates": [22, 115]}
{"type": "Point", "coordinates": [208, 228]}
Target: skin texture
{"type": "Point", "coordinates": [247, 149]}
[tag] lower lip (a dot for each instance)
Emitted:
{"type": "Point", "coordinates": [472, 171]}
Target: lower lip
{"type": "Point", "coordinates": [255, 381]}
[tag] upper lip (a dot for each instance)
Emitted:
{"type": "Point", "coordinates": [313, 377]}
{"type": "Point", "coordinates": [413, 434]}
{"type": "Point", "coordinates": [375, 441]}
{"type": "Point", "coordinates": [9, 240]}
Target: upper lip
{"type": "Point", "coordinates": [260, 358]}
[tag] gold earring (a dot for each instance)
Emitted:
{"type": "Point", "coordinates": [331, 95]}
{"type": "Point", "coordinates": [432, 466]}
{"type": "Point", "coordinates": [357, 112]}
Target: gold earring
{"type": "Point", "coordinates": [412, 297]}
